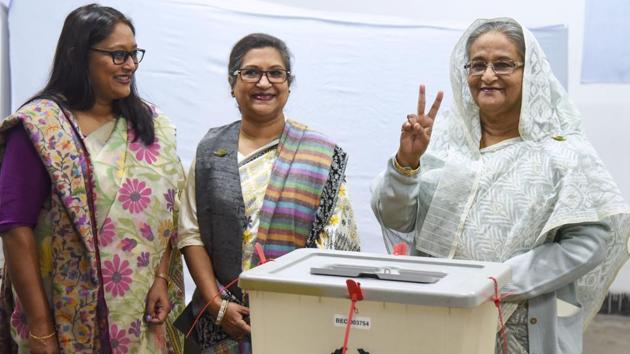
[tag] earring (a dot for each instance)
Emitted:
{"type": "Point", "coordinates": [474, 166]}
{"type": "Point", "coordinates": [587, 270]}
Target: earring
{"type": "Point", "coordinates": [232, 93]}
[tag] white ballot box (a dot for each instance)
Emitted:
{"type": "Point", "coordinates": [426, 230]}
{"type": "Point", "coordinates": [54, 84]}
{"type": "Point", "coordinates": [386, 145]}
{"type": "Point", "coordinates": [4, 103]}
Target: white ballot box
{"type": "Point", "coordinates": [299, 304]}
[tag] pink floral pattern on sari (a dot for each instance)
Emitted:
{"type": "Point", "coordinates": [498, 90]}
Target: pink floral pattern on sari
{"type": "Point", "coordinates": [116, 276]}
{"type": "Point", "coordinates": [147, 153]}
{"type": "Point", "coordinates": [146, 231]}
{"type": "Point", "coordinates": [120, 341]}
{"type": "Point", "coordinates": [18, 321]}
{"type": "Point", "coordinates": [128, 244]}
{"type": "Point", "coordinates": [134, 195]}
{"type": "Point", "coordinates": [108, 232]}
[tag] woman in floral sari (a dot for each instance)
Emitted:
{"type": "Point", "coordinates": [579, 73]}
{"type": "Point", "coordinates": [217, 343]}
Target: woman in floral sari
{"type": "Point", "coordinates": [261, 179]}
{"type": "Point", "coordinates": [89, 180]}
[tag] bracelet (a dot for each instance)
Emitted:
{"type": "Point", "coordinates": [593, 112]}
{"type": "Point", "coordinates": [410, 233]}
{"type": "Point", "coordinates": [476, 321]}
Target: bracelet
{"type": "Point", "coordinates": [42, 338]}
{"type": "Point", "coordinates": [221, 313]}
{"type": "Point", "coordinates": [163, 276]}
{"type": "Point", "coordinates": [405, 170]}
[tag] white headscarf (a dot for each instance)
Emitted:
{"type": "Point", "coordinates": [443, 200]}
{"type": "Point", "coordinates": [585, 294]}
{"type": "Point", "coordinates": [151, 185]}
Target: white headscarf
{"type": "Point", "coordinates": [523, 194]}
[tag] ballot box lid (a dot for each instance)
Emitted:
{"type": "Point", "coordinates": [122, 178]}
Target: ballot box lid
{"type": "Point", "coordinates": [399, 279]}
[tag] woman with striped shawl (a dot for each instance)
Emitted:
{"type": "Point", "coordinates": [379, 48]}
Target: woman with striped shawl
{"type": "Point", "coordinates": [263, 179]}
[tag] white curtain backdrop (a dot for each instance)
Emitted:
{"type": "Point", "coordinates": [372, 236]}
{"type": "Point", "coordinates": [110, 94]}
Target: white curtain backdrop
{"type": "Point", "coordinates": [357, 74]}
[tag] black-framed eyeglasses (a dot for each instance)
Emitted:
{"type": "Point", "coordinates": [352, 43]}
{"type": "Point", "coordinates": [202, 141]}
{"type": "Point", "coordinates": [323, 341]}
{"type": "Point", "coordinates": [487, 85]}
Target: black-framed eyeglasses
{"type": "Point", "coordinates": [119, 57]}
{"type": "Point", "coordinates": [252, 75]}
{"type": "Point", "coordinates": [502, 67]}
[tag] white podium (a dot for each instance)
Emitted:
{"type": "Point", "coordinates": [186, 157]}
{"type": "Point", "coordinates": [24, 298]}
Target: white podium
{"type": "Point", "coordinates": [299, 304]}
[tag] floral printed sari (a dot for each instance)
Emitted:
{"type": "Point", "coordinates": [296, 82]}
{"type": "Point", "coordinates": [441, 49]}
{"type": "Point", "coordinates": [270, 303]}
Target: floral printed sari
{"type": "Point", "coordinates": [97, 281]}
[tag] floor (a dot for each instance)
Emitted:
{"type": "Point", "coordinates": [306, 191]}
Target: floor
{"type": "Point", "coordinates": [608, 334]}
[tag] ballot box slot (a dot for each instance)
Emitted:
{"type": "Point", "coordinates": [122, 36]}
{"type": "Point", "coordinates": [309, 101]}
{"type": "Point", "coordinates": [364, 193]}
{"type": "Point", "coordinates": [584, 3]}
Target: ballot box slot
{"type": "Point", "coordinates": [381, 273]}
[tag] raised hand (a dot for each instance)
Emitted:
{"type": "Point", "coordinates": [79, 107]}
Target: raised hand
{"type": "Point", "coordinates": [415, 133]}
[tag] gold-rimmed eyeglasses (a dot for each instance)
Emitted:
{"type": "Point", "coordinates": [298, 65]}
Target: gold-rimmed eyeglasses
{"type": "Point", "coordinates": [503, 67]}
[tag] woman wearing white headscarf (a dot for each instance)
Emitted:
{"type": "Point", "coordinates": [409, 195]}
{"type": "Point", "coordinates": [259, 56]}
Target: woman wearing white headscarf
{"type": "Point", "coordinates": [509, 177]}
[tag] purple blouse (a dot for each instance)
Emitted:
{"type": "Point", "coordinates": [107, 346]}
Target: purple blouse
{"type": "Point", "coordinates": [24, 182]}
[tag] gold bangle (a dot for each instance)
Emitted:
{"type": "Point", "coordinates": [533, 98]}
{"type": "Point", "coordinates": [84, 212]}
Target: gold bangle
{"type": "Point", "coordinates": [406, 171]}
{"type": "Point", "coordinates": [42, 338]}
{"type": "Point", "coordinates": [163, 276]}
{"type": "Point", "coordinates": [221, 313]}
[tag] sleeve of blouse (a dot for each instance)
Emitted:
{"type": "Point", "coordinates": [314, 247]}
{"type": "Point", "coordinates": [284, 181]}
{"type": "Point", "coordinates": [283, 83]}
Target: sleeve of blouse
{"type": "Point", "coordinates": [340, 232]}
{"type": "Point", "coordinates": [577, 249]}
{"type": "Point", "coordinates": [24, 182]}
{"type": "Point", "coordinates": [188, 230]}
{"type": "Point", "coordinates": [395, 199]}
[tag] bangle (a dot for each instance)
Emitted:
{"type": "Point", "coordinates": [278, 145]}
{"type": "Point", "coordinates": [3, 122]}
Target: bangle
{"type": "Point", "coordinates": [163, 276]}
{"type": "Point", "coordinates": [405, 170]}
{"type": "Point", "coordinates": [42, 339]}
{"type": "Point", "coordinates": [221, 313]}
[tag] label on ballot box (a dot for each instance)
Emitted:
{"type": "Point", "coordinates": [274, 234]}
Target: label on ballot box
{"type": "Point", "coordinates": [357, 322]}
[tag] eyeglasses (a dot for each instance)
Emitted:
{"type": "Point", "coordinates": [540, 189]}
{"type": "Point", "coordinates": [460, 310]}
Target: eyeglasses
{"type": "Point", "coordinates": [504, 67]}
{"type": "Point", "coordinates": [274, 76]}
{"type": "Point", "coordinates": [120, 57]}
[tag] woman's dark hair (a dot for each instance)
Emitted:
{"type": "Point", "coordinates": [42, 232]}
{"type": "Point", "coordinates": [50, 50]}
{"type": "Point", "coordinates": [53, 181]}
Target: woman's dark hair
{"type": "Point", "coordinates": [69, 84]}
{"type": "Point", "coordinates": [255, 41]}
{"type": "Point", "coordinates": [511, 30]}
